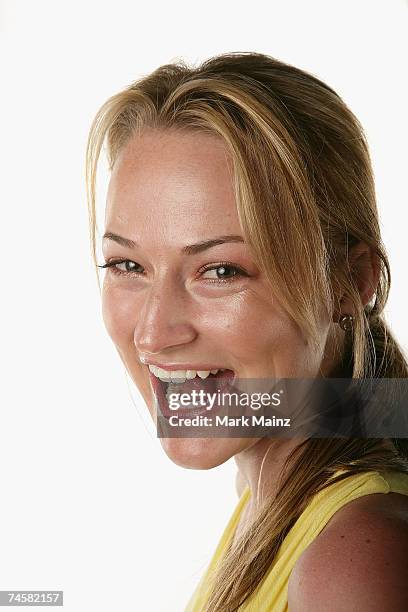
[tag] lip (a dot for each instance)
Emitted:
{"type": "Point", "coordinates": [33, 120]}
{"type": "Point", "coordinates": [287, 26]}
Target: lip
{"type": "Point", "coordinates": [186, 366]}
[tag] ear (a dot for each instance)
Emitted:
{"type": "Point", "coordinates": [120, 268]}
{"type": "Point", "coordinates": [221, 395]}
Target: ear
{"type": "Point", "coordinates": [365, 269]}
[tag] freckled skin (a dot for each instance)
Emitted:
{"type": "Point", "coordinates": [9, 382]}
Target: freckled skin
{"type": "Point", "coordinates": [168, 190]}
{"type": "Point", "coordinates": [358, 560]}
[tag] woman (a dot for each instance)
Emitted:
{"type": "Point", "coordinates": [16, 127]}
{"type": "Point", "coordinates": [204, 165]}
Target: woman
{"type": "Point", "coordinates": [242, 235]}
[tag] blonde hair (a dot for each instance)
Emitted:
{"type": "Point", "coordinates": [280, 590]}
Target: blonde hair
{"type": "Point", "coordinates": [305, 195]}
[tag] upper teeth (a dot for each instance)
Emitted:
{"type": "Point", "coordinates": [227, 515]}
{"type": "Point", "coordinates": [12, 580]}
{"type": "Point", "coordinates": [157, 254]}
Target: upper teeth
{"type": "Point", "coordinates": [180, 375]}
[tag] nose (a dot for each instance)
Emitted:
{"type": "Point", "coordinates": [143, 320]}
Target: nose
{"type": "Point", "coordinates": [164, 321]}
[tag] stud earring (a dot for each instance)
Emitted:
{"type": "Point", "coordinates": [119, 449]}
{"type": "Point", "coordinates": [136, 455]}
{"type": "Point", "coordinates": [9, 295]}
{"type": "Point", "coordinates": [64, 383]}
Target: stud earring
{"type": "Point", "coordinates": [346, 322]}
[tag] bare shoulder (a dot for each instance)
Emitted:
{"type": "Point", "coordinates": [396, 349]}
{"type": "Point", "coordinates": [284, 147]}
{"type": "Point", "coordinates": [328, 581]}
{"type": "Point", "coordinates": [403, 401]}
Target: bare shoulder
{"type": "Point", "coordinates": [358, 562]}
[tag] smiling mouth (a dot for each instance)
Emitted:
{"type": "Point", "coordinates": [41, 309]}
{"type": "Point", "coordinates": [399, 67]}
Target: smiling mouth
{"type": "Point", "coordinates": [220, 382]}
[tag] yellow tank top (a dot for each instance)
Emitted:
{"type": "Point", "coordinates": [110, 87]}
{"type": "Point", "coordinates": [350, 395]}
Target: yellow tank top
{"type": "Point", "coordinates": [271, 594]}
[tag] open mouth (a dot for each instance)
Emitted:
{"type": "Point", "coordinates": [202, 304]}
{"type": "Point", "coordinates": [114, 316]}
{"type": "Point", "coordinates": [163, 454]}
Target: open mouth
{"type": "Point", "coordinates": [168, 393]}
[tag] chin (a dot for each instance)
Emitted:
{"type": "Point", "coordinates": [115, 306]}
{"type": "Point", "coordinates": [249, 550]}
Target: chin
{"type": "Point", "coordinates": [199, 453]}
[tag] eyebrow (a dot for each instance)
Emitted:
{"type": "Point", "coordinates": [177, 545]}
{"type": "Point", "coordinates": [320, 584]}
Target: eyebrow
{"type": "Point", "coordinates": [190, 249]}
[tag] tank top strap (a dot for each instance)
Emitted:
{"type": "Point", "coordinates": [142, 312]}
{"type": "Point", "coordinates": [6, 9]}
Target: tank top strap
{"type": "Point", "coordinates": [327, 502]}
{"type": "Point", "coordinates": [271, 593]}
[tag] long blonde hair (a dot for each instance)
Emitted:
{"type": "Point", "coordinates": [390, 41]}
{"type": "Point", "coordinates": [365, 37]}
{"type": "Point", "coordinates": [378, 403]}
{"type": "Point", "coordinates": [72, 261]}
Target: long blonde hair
{"type": "Point", "coordinates": [305, 195]}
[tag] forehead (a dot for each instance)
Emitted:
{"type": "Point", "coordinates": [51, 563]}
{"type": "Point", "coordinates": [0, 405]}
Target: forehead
{"type": "Point", "coordinates": [172, 174]}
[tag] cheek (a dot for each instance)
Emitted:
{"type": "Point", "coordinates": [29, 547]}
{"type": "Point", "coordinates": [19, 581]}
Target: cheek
{"type": "Point", "coordinates": [252, 327]}
{"type": "Point", "coordinates": [259, 332]}
{"type": "Point", "coordinates": [117, 311]}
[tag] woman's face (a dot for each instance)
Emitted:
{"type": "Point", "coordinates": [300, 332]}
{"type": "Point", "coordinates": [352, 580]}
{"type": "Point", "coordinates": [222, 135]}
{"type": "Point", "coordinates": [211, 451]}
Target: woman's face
{"type": "Point", "coordinates": [177, 307]}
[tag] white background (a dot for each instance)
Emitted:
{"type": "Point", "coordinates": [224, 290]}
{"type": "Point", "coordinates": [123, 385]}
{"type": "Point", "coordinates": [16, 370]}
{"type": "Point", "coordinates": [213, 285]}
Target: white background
{"type": "Point", "coordinates": [90, 504]}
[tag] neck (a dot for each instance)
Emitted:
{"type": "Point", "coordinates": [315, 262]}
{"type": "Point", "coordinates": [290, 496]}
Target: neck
{"type": "Point", "coordinates": [261, 465]}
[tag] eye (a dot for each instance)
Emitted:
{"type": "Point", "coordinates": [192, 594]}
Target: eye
{"type": "Point", "coordinates": [122, 266]}
{"type": "Point", "coordinates": [223, 272]}
{"type": "Point", "coordinates": [127, 266]}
